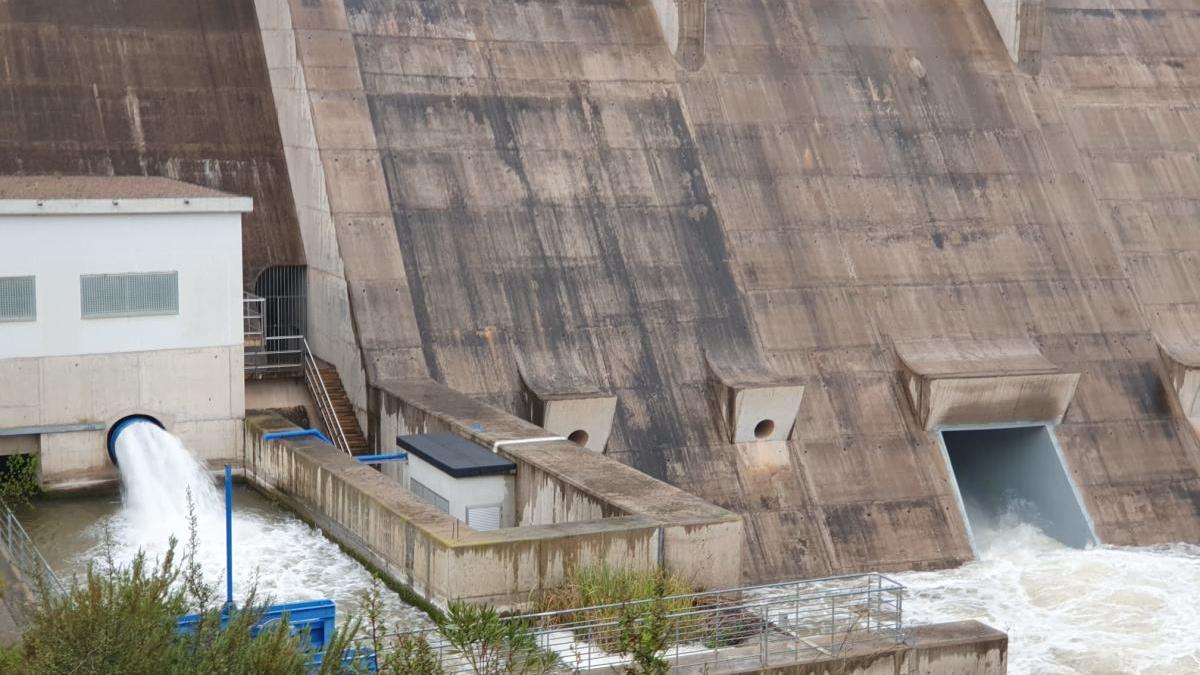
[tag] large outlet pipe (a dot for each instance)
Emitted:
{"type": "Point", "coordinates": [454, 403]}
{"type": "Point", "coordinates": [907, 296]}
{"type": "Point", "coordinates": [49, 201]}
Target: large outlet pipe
{"type": "Point", "coordinates": [123, 424]}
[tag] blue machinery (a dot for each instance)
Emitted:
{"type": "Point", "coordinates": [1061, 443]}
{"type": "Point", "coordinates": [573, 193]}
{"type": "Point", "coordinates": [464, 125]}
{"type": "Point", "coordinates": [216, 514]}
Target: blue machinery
{"type": "Point", "coordinates": [315, 619]}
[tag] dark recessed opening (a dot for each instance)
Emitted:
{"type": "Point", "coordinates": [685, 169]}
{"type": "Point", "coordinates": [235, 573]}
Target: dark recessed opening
{"type": "Point", "coordinates": [764, 429]}
{"type": "Point", "coordinates": [1009, 473]}
{"type": "Point", "coordinates": [579, 437]}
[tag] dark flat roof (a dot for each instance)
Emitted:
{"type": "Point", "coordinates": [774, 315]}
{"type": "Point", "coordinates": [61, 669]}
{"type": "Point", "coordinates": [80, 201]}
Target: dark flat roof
{"type": "Point", "coordinates": [454, 455]}
{"type": "Point", "coordinates": [103, 187]}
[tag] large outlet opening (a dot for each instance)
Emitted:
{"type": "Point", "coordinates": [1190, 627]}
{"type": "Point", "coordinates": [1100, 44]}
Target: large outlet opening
{"type": "Point", "coordinates": [1016, 472]}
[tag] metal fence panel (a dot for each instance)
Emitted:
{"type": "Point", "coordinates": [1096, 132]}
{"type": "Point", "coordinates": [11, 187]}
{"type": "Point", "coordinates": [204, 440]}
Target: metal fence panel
{"type": "Point", "coordinates": [749, 628]}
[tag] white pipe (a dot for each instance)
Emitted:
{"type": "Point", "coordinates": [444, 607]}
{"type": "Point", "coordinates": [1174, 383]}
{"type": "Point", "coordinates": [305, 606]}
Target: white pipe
{"type": "Point", "coordinates": [522, 441]}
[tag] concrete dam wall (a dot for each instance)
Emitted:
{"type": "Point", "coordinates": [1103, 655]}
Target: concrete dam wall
{"type": "Point", "coordinates": [498, 194]}
{"type": "Point", "coordinates": [174, 88]}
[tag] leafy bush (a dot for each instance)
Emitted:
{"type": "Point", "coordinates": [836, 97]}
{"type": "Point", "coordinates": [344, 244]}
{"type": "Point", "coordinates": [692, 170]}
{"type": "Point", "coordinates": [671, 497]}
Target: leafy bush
{"type": "Point", "coordinates": [491, 645]}
{"type": "Point", "coordinates": [644, 632]}
{"type": "Point", "coordinates": [19, 480]}
{"type": "Point", "coordinates": [122, 619]}
{"type": "Point", "coordinates": [604, 584]}
{"type": "Point", "coordinates": [622, 592]}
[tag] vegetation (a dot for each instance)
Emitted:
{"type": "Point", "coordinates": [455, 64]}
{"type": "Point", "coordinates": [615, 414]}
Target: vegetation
{"type": "Point", "coordinates": [644, 633]}
{"type": "Point", "coordinates": [19, 479]}
{"type": "Point", "coordinates": [123, 619]}
{"type": "Point", "coordinates": [491, 645]}
{"type": "Point", "coordinates": [478, 635]}
{"type": "Point", "coordinates": [644, 628]}
{"type": "Point", "coordinates": [604, 584]}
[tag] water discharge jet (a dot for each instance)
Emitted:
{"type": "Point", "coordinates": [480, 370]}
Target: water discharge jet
{"type": "Point", "coordinates": [279, 556]}
{"type": "Point", "coordinates": [997, 470]}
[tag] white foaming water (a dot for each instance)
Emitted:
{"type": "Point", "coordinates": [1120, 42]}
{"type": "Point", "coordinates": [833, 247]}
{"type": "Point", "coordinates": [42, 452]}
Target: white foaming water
{"type": "Point", "coordinates": [1100, 610]}
{"type": "Point", "coordinates": [284, 558]}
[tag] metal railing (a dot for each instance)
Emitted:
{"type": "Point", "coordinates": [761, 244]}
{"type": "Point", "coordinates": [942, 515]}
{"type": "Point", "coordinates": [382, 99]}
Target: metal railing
{"type": "Point", "coordinates": [254, 327]}
{"type": "Point", "coordinates": [320, 394]}
{"type": "Point", "coordinates": [279, 355]}
{"type": "Point", "coordinates": [287, 355]}
{"type": "Point", "coordinates": [24, 556]}
{"type": "Point", "coordinates": [745, 628]}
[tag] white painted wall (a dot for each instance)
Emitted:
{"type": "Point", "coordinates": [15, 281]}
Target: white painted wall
{"type": "Point", "coordinates": [204, 248]}
{"type": "Point", "coordinates": [466, 492]}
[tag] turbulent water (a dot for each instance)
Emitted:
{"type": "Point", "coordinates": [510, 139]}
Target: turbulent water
{"type": "Point", "coordinates": [1099, 610]}
{"type": "Point", "coordinates": [281, 556]}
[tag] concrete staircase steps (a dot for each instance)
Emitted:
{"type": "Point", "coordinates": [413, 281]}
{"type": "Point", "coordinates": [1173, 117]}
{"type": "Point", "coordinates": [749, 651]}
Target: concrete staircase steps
{"type": "Point", "coordinates": [344, 410]}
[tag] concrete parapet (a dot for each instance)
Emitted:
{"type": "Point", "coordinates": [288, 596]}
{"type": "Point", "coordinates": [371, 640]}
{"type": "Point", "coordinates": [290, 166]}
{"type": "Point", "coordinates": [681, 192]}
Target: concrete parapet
{"type": "Point", "coordinates": [972, 382]}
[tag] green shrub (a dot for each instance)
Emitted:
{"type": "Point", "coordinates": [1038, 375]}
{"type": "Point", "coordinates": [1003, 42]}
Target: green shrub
{"type": "Point", "coordinates": [604, 584]}
{"type": "Point", "coordinates": [122, 619]}
{"type": "Point", "coordinates": [622, 592]}
{"type": "Point", "coordinates": [644, 631]}
{"type": "Point", "coordinates": [19, 480]}
{"type": "Point", "coordinates": [491, 645]}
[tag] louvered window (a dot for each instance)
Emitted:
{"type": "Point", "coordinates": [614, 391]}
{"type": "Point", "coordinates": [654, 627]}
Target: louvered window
{"type": "Point", "coordinates": [18, 299]}
{"type": "Point", "coordinates": [439, 502]}
{"type": "Point", "coordinates": [483, 518]}
{"type": "Point", "coordinates": [135, 294]}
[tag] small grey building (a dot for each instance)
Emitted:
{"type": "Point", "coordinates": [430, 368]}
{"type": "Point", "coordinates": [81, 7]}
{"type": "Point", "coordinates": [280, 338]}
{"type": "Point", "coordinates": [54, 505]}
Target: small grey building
{"type": "Point", "coordinates": [461, 478]}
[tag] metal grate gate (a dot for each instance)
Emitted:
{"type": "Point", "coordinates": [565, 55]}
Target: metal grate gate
{"type": "Point", "coordinates": [285, 291]}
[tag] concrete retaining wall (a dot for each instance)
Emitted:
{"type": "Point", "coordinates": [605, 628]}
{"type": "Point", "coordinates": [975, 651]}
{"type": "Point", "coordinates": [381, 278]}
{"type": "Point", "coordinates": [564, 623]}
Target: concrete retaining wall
{"type": "Point", "coordinates": [962, 648]}
{"type": "Point", "coordinates": [560, 482]}
{"type": "Point", "coordinates": [98, 390]}
{"type": "Point", "coordinates": [423, 547]}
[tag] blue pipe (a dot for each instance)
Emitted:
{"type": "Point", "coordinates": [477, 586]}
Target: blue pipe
{"type": "Point", "coordinates": [373, 459]}
{"type": "Point", "coordinates": [122, 425]}
{"type": "Point", "coordinates": [294, 433]}
{"type": "Point", "coordinates": [228, 538]}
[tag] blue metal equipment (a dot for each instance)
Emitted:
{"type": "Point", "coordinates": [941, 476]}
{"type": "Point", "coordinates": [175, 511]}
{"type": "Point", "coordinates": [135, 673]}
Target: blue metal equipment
{"type": "Point", "coordinates": [314, 619]}
{"type": "Point", "coordinates": [294, 433]}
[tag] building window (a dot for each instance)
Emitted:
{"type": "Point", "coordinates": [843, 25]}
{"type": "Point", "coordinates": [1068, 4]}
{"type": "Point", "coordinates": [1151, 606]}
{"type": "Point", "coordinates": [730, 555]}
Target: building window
{"type": "Point", "coordinates": [18, 299]}
{"type": "Point", "coordinates": [135, 294]}
{"type": "Point", "coordinates": [429, 496]}
{"type": "Point", "coordinates": [484, 518]}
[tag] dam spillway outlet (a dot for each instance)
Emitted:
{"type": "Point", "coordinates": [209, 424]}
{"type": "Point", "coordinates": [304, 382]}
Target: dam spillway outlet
{"type": "Point", "coordinates": [1016, 472]}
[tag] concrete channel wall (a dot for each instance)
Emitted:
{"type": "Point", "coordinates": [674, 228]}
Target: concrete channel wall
{"type": "Point", "coordinates": [443, 560]}
{"type": "Point", "coordinates": [700, 541]}
{"type": "Point", "coordinates": [961, 648]}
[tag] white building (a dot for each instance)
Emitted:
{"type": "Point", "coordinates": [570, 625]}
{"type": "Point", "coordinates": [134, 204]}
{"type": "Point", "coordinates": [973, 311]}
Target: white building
{"type": "Point", "coordinates": [118, 296]}
{"type": "Point", "coordinates": [456, 476]}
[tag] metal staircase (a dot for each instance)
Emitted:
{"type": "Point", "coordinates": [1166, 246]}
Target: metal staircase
{"type": "Point", "coordinates": [289, 356]}
{"type": "Point", "coordinates": [342, 411]}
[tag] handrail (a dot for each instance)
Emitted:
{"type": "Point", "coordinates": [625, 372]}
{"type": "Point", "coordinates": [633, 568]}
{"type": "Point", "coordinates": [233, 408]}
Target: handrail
{"type": "Point", "coordinates": [24, 555]}
{"type": "Point", "coordinates": [316, 385]}
{"type": "Point", "coordinates": [728, 630]}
